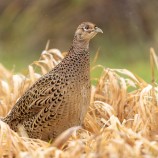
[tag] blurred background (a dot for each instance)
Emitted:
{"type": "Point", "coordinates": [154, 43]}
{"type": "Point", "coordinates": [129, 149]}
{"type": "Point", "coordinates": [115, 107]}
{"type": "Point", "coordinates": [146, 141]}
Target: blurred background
{"type": "Point", "coordinates": [130, 29]}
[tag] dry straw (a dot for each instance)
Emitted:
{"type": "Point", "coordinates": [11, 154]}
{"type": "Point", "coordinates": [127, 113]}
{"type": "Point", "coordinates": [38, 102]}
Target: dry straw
{"type": "Point", "coordinates": [122, 120]}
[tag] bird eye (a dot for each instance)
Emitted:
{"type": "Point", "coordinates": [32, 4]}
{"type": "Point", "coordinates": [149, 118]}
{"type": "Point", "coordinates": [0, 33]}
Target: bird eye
{"type": "Point", "coordinates": [86, 28]}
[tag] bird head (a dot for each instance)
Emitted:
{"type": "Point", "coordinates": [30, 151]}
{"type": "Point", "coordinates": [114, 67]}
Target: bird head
{"type": "Point", "coordinates": [86, 31]}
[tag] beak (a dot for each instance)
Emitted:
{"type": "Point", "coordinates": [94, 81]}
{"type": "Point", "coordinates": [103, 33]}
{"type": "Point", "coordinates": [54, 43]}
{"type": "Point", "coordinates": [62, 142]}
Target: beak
{"type": "Point", "coordinates": [97, 29]}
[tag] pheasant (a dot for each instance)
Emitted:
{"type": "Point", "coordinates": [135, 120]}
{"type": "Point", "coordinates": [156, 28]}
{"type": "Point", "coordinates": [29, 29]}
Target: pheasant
{"type": "Point", "coordinates": [60, 99]}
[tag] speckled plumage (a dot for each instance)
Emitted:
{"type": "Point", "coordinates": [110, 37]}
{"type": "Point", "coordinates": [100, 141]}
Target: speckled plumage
{"type": "Point", "coordinates": [59, 99]}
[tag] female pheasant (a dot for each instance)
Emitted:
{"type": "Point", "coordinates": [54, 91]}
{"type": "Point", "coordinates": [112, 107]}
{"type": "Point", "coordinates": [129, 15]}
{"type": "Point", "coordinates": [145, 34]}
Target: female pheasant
{"type": "Point", "coordinates": [59, 99]}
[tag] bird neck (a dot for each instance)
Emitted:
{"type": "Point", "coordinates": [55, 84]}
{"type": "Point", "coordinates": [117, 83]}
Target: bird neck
{"type": "Point", "coordinates": [77, 59]}
{"type": "Point", "coordinates": [78, 55]}
{"type": "Point", "coordinates": [79, 46]}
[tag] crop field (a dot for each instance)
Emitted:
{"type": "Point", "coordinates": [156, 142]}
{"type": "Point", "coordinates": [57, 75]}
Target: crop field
{"type": "Point", "coordinates": [122, 120]}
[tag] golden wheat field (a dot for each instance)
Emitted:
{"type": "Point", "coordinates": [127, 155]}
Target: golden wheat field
{"type": "Point", "coordinates": [122, 120]}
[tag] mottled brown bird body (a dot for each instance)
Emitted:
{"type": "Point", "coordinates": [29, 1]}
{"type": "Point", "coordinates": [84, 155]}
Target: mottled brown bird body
{"type": "Point", "coordinates": [59, 99]}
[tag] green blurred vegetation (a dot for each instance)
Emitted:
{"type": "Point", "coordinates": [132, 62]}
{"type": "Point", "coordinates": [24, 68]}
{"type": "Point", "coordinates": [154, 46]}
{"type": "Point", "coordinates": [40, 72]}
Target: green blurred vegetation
{"type": "Point", "coordinates": [130, 29]}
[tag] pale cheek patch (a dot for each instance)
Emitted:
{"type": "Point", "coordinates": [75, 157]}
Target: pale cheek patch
{"type": "Point", "coordinates": [90, 30]}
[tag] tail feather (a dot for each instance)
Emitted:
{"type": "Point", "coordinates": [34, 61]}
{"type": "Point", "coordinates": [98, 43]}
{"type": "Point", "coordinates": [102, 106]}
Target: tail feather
{"type": "Point", "coordinates": [13, 124]}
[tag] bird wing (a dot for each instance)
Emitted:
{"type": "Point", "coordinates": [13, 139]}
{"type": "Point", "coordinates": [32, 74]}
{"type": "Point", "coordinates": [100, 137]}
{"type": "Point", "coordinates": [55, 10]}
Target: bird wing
{"type": "Point", "coordinates": [47, 91]}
